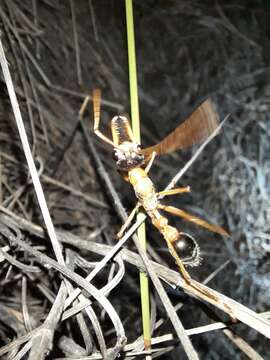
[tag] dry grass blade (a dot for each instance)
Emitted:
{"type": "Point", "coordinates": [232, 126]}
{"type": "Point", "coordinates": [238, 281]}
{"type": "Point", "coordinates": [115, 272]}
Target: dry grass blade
{"type": "Point", "coordinates": [105, 260]}
{"type": "Point", "coordinates": [242, 345]}
{"type": "Point", "coordinates": [241, 312]}
{"type": "Point", "coordinates": [23, 351]}
{"type": "Point", "coordinates": [29, 158]}
{"type": "Point", "coordinates": [43, 339]}
{"type": "Point", "coordinates": [247, 316]}
{"type": "Point", "coordinates": [99, 297]}
{"type": "Point", "coordinates": [25, 310]}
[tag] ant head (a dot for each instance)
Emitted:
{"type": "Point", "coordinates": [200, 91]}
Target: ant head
{"type": "Point", "coordinates": [127, 156]}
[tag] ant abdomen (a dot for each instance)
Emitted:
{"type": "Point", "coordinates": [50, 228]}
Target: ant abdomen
{"type": "Point", "coordinates": [187, 249]}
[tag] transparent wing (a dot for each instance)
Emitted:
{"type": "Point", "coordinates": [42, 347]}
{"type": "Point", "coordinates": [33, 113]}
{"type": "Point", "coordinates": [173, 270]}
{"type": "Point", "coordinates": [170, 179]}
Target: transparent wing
{"type": "Point", "coordinates": [195, 129]}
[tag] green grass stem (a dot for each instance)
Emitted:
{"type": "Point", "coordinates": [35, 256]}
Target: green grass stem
{"type": "Point", "coordinates": [135, 118]}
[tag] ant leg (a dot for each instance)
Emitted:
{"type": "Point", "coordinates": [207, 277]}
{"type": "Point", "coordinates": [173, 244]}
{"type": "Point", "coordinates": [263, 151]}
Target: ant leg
{"type": "Point", "coordinates": [179, 262]}
{"type": "Point", "coordinates": [96, 97]}
{"type": "Point", "coordinates": [181, 213]}
{"type": "Point", "coordinates": [96, 111]}
{"type": "Point", "coordinates": [149, 165]}
{"type": "Point", "coordinates": [104, 138]}
{"type": "Point", "coordinates": [127, 222]}
{"type": "Point", "coordinates": [179, 190]}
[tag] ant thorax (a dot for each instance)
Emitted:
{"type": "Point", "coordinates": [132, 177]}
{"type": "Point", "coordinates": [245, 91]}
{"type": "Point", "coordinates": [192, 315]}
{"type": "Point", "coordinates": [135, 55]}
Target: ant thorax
{"type": "Point", "coordinates": [127, 156]}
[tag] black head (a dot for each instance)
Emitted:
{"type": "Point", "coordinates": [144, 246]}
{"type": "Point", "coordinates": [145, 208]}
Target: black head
{"type": "Point", "coordinates": [127, 156]}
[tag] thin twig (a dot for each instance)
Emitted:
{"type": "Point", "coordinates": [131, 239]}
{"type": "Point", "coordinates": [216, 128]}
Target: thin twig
{"type": "Point", "coordinates": [18, 264]}
{"type": "Point", "coordinates": [76, 42]}
{"type": "Point", "coordinates": [93, 19]}
{"type": "Point", "coordinates": [35, 13]}
{"type": "Point", "coordinates": [27, 52]}
{"type": "Point", "coordinates": [80, 95]}
{"type": "Point", "coordinates": [59, 184]}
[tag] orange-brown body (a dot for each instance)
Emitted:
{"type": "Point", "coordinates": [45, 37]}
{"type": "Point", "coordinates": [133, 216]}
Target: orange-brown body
{"type": "Point", "coordinates": [134, 164]}
{"type": "Point", "coordinates": [147, 197]}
